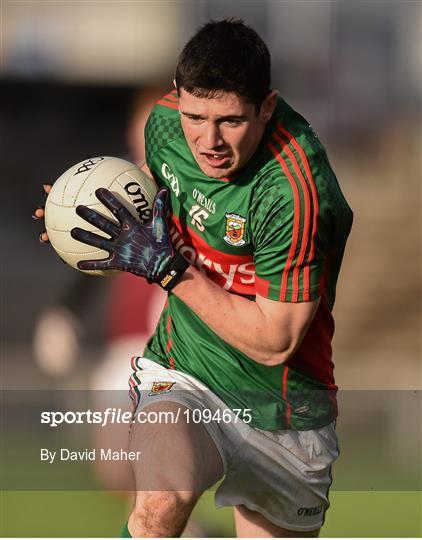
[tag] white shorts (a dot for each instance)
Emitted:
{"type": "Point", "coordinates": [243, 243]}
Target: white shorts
{"type": "Point", "coordinates": [284, 475]}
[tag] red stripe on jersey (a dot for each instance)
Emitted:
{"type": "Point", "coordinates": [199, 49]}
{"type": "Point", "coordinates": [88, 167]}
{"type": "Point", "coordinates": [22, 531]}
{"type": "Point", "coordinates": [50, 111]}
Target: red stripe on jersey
{"type": "Point", "coordinates": [306, 224]}
{"type": "Point", "coordinates": [172, 96]}
{"type": "Point", "coordinates": [306, 280]}
{"type": "Point", "coordinates": [168, 104]}
{"type": "Point", "coordinates": [169, 342]}
{"type": "Point", "coordinates": [262, 286]}
{"type": "Point", "coordinates": [296, 221]}
{"type": "Point", "coordinates": [312, 184]}
{"type": "Point", "coordinates": [313, 357]}
{"type": "Point", "coordinates": [284, 394]}
{"type": "Point", "coordinates": [232, 272]}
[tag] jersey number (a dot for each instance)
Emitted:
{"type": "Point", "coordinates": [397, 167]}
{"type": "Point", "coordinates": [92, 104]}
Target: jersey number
{"type": "Point", "coordinates": [198, 214]}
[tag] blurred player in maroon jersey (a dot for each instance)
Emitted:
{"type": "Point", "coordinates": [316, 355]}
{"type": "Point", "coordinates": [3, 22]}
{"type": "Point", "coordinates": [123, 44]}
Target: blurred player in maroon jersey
{"type": "Point", "coordinates": [132, 311]}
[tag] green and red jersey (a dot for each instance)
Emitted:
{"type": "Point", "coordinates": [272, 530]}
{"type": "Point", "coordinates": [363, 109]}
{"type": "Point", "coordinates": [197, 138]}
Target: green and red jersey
{"type": "Point", "coordinates": [277, 228]}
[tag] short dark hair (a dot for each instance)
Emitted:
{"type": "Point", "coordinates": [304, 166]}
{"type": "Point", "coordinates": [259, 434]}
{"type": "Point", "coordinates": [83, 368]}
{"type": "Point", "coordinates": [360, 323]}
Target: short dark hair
{"type": "Point", "coordinates": [228, 56]}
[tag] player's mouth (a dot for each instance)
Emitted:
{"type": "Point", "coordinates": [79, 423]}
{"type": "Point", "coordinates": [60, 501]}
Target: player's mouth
{"type": "Point", "coordinates": [216, 160]}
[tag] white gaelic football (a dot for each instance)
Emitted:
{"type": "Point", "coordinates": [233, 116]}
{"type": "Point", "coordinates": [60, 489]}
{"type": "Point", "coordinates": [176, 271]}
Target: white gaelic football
{"type": "Point", "coordinates": [77, 186]}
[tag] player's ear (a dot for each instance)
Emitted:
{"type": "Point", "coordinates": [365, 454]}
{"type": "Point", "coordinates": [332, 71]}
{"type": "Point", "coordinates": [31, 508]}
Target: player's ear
{"type": "Point", "coordinates": [268, 106]}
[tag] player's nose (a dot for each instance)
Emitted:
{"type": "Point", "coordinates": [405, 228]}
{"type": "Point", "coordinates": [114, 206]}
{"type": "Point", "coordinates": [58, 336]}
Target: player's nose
{"type": "Point", "coordinates": [212, 137]}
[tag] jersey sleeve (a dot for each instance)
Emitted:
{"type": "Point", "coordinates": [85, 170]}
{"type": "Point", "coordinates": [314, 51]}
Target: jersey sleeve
{"type": "Point", "coordinates": [162, 127]}
{"type": "Point", "coordinates": [289, 252]}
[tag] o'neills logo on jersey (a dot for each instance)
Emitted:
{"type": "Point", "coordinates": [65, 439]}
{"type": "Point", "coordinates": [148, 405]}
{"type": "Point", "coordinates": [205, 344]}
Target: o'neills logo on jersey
{"type": "Point", "coordinates": [235, 229]}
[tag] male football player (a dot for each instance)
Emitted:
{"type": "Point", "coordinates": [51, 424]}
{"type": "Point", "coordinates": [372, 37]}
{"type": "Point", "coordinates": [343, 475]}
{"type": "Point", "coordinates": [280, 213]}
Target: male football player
{"type": "Point", "coordinates": [249, 254]}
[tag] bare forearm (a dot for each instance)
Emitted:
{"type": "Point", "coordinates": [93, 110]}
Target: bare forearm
{"type": "Point", "coordinates": [237, 320]}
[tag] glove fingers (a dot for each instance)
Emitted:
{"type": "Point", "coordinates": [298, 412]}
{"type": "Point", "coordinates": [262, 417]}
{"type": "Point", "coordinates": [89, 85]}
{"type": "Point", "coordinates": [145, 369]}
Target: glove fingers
{"type": "Point", "coordinates": [111, 202]}
{"type": "Point", "coordinates": [158, 224]}
{"type": "Point", "coordinates": [102, 264]}
{"type": "Point", "coordinates": [159, 208]}
{"type": "Point", "coordinates": [99, 221]}
{"type": "Point", "coordinates": [91, 239]}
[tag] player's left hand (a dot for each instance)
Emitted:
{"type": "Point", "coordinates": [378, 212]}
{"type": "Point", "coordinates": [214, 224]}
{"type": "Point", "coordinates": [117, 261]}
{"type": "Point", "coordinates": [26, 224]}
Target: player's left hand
{"type": "Point", "coordinates": [144, 250]}
{"type": "Point", "coordinates": [38, 215]}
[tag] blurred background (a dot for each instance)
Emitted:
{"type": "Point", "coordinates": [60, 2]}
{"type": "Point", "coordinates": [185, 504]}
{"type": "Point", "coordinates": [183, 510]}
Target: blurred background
{"type": "Point", "coordinates": [78, 79]}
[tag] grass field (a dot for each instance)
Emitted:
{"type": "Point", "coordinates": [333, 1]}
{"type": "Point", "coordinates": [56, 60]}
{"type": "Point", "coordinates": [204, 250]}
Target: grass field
{"type": "Point", "coordinates": [102, 514]}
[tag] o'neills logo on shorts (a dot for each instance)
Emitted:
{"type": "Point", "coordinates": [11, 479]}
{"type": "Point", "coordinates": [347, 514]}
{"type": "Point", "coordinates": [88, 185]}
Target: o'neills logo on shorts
{"type": "Point", "coordinates": [161, 388]}
{"type": "Point", "coordinates": [310, 510]}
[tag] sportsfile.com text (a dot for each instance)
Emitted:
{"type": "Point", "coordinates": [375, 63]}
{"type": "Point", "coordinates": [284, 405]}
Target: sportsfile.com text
{"type": "Point", "coordinates": [118, 416]}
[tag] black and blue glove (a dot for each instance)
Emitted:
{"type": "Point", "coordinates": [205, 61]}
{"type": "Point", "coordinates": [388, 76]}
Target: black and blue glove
{"type": "Point", "coordinates": [144, 250]}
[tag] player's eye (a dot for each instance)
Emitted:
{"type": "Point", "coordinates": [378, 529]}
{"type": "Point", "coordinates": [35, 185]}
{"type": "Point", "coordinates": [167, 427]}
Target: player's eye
{"type": "Point", "coordinates": [195, 119]}
{"type": "Point", "coordinates": [232, 122]}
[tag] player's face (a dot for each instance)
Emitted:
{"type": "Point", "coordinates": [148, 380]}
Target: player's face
{"type": "Point", "coordinates": [223, 132]}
